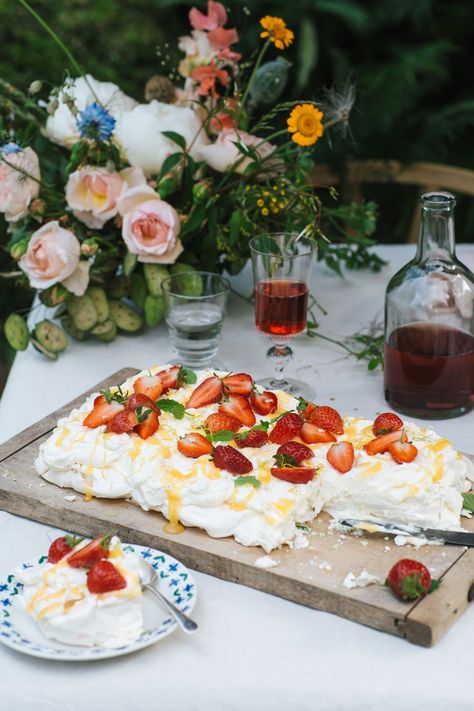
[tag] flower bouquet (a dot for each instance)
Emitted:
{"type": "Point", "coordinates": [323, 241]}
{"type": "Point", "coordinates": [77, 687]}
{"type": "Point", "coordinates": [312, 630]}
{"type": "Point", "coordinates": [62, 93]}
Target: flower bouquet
{"type": "Point", "coordinates": [102, 197]}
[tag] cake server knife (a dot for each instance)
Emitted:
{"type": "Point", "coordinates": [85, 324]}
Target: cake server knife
{"type": "Point", "coordinates": [456, 538]}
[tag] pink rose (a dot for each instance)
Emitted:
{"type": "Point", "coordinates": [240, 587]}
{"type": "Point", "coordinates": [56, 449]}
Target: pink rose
{"type": "Point", "coordinates": [216, 16]}
{"type": "Point", "coordinates": [92, 192]}
{"type": "Point", "coordinates": [16, 189]}
{"type": "Point", "coordinates": [53, 256]}
{"type": "Point", "coordinates": [224, 154]}
{"type": "Point", "coordinates": [150, 226]}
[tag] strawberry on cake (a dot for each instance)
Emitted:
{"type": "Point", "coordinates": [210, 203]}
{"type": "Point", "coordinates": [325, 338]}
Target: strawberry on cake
{"type": "Point", "coordinates": [214, 450]}
{"type": "Point", "coordinates": [86, 594]}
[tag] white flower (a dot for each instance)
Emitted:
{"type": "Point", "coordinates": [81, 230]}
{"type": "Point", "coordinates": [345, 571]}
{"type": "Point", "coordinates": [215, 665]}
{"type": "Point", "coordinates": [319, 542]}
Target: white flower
{"type": "Point", "coordinates": [224, 155]}
{"type": "Point", "coordinates": [16, 189]}
{"type": "Point", "coordinates": [140, 134]}
{"type": "Point", "coordinates": [61, 127]}
{"type": "Point", "coordinates": [197, 49]}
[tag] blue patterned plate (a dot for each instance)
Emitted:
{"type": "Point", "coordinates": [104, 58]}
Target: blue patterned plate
{"type": "Point", "coordinates": [19, 631]}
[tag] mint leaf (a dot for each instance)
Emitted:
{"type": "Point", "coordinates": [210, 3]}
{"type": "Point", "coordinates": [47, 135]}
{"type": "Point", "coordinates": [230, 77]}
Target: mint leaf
{"type": "Point", "coordinates": [171, 406]}
{"type": "Point", "coordinates": [285, 460]}
{"type": "Point", "coordinates": [468, 501]}
{"type": "Point", "coordinates": [221, 436]}
{"type": "Point", "coordinates": [252, 480]}
{"type": "Point", "coordinates": [142, 413]}
{"type": "Point", "coordinates": [118, 395]}
{"type": "Point", "coordinates": [186, 376]}
{"type": "Point", "coordinates": [302, 526]}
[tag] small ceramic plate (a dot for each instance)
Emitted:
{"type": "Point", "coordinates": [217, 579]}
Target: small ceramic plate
{"type": "Point", "coordinates": [19, 631]}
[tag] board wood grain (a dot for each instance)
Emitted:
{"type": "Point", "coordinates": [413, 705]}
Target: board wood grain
{"type": "Point", "coordinates": [311, 576]}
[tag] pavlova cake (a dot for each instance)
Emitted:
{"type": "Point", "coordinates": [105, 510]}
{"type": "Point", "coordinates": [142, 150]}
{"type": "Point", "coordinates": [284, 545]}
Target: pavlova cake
{"type": "Point", "coordinates": [214, 450]}
{"type": "Point", "coordinates": [86, 593]}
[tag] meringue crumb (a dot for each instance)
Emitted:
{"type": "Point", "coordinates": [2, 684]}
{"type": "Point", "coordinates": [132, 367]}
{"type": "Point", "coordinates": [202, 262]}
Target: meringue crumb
{"type": "Point", "coordinates": [327, 567]}
{"type": "Point", "coordinates": [266, 562]}
{"type": "Point", "coordinates": [364, 543]}
{"type": "Point", "coordinates": [361, 581]}
{"type": "Point", "coordinates": [416, 541]}
{"type": "Point", "coordinates": [386, 549]}
{"type": "Point", "coordinates": [70, 497]}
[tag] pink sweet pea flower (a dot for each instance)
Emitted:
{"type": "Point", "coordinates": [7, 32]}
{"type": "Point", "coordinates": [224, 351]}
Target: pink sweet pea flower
{"type": "Point", "coordinates": [216, 16]}
{"type": "Point", "coordinates": [206, 76]}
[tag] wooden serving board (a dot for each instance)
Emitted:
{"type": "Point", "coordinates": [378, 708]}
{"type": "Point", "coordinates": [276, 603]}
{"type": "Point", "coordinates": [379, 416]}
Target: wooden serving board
{"type": "Point", "coordinates": [311, 576]}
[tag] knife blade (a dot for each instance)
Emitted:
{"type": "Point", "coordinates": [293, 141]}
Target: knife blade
{"type": "Point", "coordinates": [456, 538]}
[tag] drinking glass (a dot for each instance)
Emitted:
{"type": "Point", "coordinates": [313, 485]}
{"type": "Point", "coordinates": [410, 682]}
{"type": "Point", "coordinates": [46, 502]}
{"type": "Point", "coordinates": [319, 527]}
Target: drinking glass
{"type": "Point", "coordinates": [282, 264]}
{"type": "Point", "coordinates": [195, 310]}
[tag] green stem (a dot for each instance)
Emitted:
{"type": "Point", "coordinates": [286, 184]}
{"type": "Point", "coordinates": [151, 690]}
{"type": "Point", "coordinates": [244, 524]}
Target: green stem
{"type": "Point", "coordinates": [254, 70]}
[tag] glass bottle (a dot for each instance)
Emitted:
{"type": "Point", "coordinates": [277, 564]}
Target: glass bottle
{"type": "Point", "coordinates": [429, 322]}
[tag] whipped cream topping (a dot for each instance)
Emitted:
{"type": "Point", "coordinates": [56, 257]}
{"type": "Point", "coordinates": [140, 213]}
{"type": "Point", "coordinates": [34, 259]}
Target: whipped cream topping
{"type": "Point", "coordinates": [156, 476]}
{"type": "Point", "coordinates": [57, 597]}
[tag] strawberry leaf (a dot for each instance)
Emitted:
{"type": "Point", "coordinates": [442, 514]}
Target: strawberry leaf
{"type": "Point", "coordinates": [285, 460]}
{"type": "Point", "coordinates": [302, 405]}
{"type": "Point", "coordinates": [468, 501]}
{"type": "Point", "coordinates": [172, 406]}
{"type": "Point", "coordinates": [434, 585]}
{"type": "Point", "coordinates": [118, 395]}
{"type": "Point", "coordinates": [186, 376]}
{"type": "Point", "coordinates": [252, 480]}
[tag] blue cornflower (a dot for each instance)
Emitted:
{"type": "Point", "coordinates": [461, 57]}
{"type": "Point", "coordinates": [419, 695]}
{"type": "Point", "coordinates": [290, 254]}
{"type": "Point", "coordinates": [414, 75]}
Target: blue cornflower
{"type": "Point", "coordinates": [96, 122]}
{"type": "Point", "coordinates": [10, 148]}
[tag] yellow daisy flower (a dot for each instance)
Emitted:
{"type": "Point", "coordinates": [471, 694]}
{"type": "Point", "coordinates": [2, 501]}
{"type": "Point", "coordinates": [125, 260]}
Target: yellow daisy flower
{"type": "Point", "coordinates": [276, 29]}
{"type": "Point", "coordinates": [305, 123]}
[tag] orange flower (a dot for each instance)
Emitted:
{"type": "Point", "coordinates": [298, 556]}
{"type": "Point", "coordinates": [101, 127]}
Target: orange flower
{"type": "Point", "coordinates": [207, 75]}
{"type": "Point", "coordinates": [275, 28]}
{"type": "Point", "coordinates": [305, 123]}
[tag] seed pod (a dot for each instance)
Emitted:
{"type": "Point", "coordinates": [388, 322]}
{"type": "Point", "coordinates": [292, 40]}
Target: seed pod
{"type": "Point", "coordinates": [39, 347]}
{"type": "Point", "coordinates": [160, 88]}
{"type": "Point", "coordinates": [126, 318]}
{"type": "Point", "coordinates": [16, 332]}
{"type": "Point", "coordinates": [103, 327]}
{"type": "Point", "coordinates": [109, 335]}
{"type": "Point", "coordinates": [69, 327]}
{"type": "Point", "coordinates": [119, 287]}
{"type": "Point", "coordinates": [189, 282]}
{"type": "Point", "coordinates": [139, 290]}
{"type": "Point", "coordinates": [154, 310]}
{"type": "Point", "coordinates": [269, 81]}
{"type": "Point", "coordinates": [54, 295]}
{"type": "Point", "coordinates": [82, 311]}
{"type": "Point", "coordinates": [51, 336]}
{"type": "Point", "coordinates": [100, 302]}
{"type": "Point", "coordinates": [155, 274]}
{"type": "Point", "coordinates": [129, 263]}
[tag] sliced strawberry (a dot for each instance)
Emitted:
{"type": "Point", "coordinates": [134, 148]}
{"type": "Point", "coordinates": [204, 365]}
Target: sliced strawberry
{"type": "Point", "coordinates": [169, 378]}
{"type": "Point", "coordinates": [220, 421]}
{"type": "Point", "coordinates": [402, 452]}
{"type": "Point", "coordinates": [209, 391]}
{"type": "Point", "coordinates": [341, 456]}
{"type": "Point", "coordinates": [61, 547]}
{"type": "Point", "coordinates": [194, 445]}
{"type": "Point", "coordinates": [99, 400]}
{"type": "Point", "coordinates": [286, 428]}
{"type": "Point", "coordinates": [230, 459]}
{"type": "Point", "coordinates": [92, 552]}
{"type": "Point", "coordinates": [251, 438]}
{"type": "Point", "coordinates": [385, 423]}
{"type": "Point", "coordinates": [315, 435]}
{"type": "Point", "coordinates": [239, 407]}
{"type": "Point", "coordinates": [379, 445]}
{"type": "Point", "coordinates": [327, 418]}
{"type": "Point", "coordinates": [104, 577]}
{"type": "Point", "coordinates": [296, 450]}
{"type": "Point", "coordinates": [139, 400]}
{"type": "Point", "coordinates": [238, 384]}
{"type": "Point", "coordinates": [264, 403]}
{"type": "Point", "coordinates": [295, 475]}
{"type": "Point", "coordinates": [147, 426]}
{"type": "Point", "coordinates": [150, 385]}
{"type": "Point", "coordinates": [123, 422]}
{"type": "Point", "coordinates": [103, 413]}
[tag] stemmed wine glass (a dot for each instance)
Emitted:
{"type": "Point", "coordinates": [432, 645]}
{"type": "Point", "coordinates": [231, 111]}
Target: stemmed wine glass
{"type": "Point", "coordinates": [282, 264]}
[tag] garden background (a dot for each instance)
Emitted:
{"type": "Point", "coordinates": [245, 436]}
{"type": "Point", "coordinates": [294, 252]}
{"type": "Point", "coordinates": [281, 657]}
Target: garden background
{"type": "Point", "coordinates": [410, 61]}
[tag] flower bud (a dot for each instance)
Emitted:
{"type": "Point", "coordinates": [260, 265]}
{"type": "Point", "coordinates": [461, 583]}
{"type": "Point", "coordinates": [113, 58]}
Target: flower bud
{"type": "Point", "coordinates": [64, 220]}
{"type": "Point", "coordinates": [168, 184]}
{"type": "Point", "coordinates": [89, 247]}
{"type": "Point", "coordinates": [35, 86]}
{"type": "Point", "coordinates": [201, 190]}
{"type": "Point", "coordinates": [19, 249]}
{"type": "Point", "coordinates": [38, 206]}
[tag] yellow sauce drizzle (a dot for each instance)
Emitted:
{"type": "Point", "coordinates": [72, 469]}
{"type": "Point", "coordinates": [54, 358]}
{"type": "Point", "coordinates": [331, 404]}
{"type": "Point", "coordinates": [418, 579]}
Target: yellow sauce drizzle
{"type": "Point", "coordinates": [174, 504]}
{"type": "Point", "coordinates": [62, 436]}
{"type": "Point", "coordinates": [439, 468]}
{"type": "Point", "coordinates": [369, 470]}
{"type": "Point", "coordinates": [440, 445]}
{"type": "Point", "coordinates": [283, 506]}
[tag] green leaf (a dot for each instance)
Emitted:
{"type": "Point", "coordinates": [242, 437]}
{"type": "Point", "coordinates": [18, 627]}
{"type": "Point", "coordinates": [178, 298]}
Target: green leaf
{"type": "Point", "coordinates": [468, 501]}
{"type": "Point", "coordinates": [142, 413]}
{"type": "Point", "coordinates": [234, 226]}
{"type": "Point", "coordinates": [174, 408]}
{"type": "Point", "coordinates": [222, 436]}
{"type": "Point", "coordinates": [285, 460]}
{"type": "Point", "coordinates": [186, 376]}
{"type": "Point", "coordinates": [308, 51]}
{"type": "Point", "coordinates": [252, 480]}
{"type": "Point", "coordinates": [169, 163]}
{"type": "Point", "coordinates": [176, 138]}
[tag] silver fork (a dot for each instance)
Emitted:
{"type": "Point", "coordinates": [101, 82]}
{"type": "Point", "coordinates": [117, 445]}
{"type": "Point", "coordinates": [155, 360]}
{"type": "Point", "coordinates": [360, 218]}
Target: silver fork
{"type": "Point", "coordinates": [149, 581]}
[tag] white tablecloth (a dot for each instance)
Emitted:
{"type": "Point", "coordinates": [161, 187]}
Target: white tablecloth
{"type": "Point", "coordinates": [253, 651]}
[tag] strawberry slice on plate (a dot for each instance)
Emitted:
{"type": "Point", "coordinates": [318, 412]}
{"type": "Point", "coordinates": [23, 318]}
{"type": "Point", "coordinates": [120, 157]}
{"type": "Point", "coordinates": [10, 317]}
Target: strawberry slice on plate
{"type": "Point", "coordinates": [194, 445]}
{"type": "Point", "coordinates": [296, 450]}
{"type": "Point", "coordinates": [230, 459]}
{"type": "Point", "coordinates": [341, 456]}
{"type": "Point", "coordinates": [380, 445]}
{"type": "Point", "coordinates": [104, 577]}
{"type": "Point", "coordinates": [61, 547]}
{"type": "Point", "coordinates": [251, 438]}
{"type": "Point", "coordinates": [402, 452]}
{"type": "Point", "coordinates": [122, 422]}
{"type": "Point", "coordinates": [265, 403]}
{"type": "Point", "coordinates": [286, 428]}
{"type": "Point", "coordinates": [169, 378]}
{"type": "Point", "coordinates": [92, 552]}
{"type": "Point", "coordinates": [209, 391]}
{"type": "Point", "coordinates": [103, 413]}
{"type": "Point", "coordinates": [327, 418]}
{"type": "Point", "coordinates": [239, 407]}
{"type": "Point", "coordinates": [385, 423]}
{"type": "Point", "coordinates": [150, 385]}
{"type": "Point", "coordinates": [220, 421]}
{"type": "Point", "coordinates": [295, 475]}
{"type": "Point", "coordinates": [311, 434]}
{"type": "Point", "coordinates": [238, 384]}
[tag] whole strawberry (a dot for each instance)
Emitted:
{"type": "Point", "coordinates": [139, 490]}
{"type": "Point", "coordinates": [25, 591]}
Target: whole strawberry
{"type": "Point", "coordinates": [327, 418]}
{"type": "Point", "coordinates": [385, 423]}
{"type": "Point", "coordinates": [410, 580]}
{"type": "Point", "coordinates": [230, 459]}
